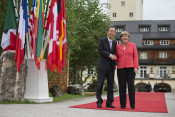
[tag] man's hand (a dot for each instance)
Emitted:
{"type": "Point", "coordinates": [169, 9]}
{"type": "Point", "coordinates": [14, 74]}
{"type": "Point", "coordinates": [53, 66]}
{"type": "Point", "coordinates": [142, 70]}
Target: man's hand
{"type": "Point", "coordinates": [113, 57]}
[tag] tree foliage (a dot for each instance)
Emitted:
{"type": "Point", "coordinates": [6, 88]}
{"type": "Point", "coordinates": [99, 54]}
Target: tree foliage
{"type": "Point", "coordinates": [3, 6]}
{"type": "Point", "coordinates": [86, 23]}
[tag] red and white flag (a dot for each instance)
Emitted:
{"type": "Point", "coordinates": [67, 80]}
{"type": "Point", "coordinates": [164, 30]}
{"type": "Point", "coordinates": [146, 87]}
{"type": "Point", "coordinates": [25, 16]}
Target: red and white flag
{"type": "Point", "coordinates": [22, 30]}
{"type": "Point", "coordinates": [61, 22]}
{"type": "Point", "coordinates": [53, 47]}
{"type": "Point", "coordinates": [56, 26]}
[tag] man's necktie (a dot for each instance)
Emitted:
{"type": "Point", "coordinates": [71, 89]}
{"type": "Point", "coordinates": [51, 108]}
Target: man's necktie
{"type": "Point", "coordinates": [110, 43]}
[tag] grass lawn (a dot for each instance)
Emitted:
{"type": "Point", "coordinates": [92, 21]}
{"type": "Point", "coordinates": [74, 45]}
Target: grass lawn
{"type": "Point", "coordinates": [55, 99]}
{"type": "Point", "coordinates": [67, 96]}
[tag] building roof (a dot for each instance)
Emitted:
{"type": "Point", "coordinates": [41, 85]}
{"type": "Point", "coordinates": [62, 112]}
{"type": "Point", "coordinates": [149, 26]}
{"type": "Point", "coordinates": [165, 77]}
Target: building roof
{"type": "Point", "coordinates": [137, 37]}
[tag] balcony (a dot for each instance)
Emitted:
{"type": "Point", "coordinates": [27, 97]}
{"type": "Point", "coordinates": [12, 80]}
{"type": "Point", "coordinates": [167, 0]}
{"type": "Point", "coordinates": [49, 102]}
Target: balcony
{"type": "Point", "coordinates": [157, 61]}
{"type": "Point", "coordinates": [168, 61]}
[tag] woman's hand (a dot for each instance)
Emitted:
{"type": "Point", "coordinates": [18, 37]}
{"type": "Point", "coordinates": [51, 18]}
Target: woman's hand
{"type": "Point", "coordinates": [135, 70]}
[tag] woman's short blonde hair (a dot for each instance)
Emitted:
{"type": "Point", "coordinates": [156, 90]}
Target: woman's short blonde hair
{"type": "Point", "coordinates": [124, 33]}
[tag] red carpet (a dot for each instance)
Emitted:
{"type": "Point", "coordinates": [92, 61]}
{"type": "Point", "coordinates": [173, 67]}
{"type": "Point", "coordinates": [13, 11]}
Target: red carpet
{"type": "Point", "coordinates": [145, 102]}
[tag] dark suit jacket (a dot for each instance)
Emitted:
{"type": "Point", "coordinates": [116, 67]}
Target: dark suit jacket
{"type": "Point", "coordinates": [104, 61]}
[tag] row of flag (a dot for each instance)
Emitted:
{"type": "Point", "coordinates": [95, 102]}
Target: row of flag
{"type": "Point", "coordinates": [38, 32]}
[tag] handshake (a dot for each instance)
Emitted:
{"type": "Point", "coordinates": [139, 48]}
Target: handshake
{"type": "Point", "coordinates": [113, 57]}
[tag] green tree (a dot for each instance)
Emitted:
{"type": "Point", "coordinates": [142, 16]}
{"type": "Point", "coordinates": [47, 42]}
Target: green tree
{"type": "Point", "coordinates": [3, 6]}
{"type": "Point", "coordinates": [86, 23]}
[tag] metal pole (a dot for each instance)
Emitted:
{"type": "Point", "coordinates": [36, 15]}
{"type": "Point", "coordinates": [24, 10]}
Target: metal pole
{"type": "Point", "coordinates": [17, 6]}
{"type": "Point", "coordinates": [16, 10]}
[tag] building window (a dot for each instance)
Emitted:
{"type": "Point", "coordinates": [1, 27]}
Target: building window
{"type": "Point", "coordinates": [148, 42]}
{"type": "Point", "coordinates": [164, 42]}
{"type": "Point", "coordinates": [143, 55]}
{"type": "Point", "coordinates": [143, 71]}
{"type": "Point", "coordinates": [163, 55]}
{"type": "Point", "coordinates": [163, 72]}
{"type": "Point", "coordinates": [118, 42]}
{"type": "Point", "coordinates": [114, 14]}
{"type": "Point", "coordinates": [144, 29]}
{"type": "Point", "coordinates": [122, 3]}
{"type": "Point", "coordinates": [131, 14]}
{"type": "Point", "coordinates": [163, 28]}
{"type": "Point", "coordinates": [119, 29]}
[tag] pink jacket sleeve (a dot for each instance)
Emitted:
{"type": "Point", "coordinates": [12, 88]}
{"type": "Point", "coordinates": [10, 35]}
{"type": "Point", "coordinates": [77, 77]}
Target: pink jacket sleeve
{"type": "Point", "coordinates": [136, 65]}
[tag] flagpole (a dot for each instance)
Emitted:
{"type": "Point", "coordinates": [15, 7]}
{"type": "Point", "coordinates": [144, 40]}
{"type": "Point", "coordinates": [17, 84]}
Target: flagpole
{"type": "Point", "coordinates": [16, 9]}
{"type": "Point", "coordinates": [17, 6]}
{"type": "Point", "coordinates": [46, 37]}
{"type": "Point", "coordinates": [28, 51]}
{"type": "Point", "coordinates": [31, 51]}
{"type": "Point", "coordinates": [46, 42]}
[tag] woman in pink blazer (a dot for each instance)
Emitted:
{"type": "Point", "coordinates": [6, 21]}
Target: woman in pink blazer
{"type": "Point", "coordinates": [127, 58]}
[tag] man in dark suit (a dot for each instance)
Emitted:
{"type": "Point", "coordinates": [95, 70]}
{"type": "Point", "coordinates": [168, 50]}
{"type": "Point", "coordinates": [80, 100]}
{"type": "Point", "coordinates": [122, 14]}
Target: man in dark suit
{"type": "Point", "coordinates": [148, 87]}
{"type": "Point", "coordinates": [106, 67]}
{"type": "Point", "coordinates": [156, 87]}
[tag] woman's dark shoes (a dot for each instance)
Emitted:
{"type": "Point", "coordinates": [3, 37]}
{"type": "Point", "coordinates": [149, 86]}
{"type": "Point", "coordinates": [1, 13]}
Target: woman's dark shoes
{"type": "Point", "coordinates": [132, 107]}
{"type": "Point", "coordinates": [123, 107]}
{"type": "Point", "coordinates": [99, 105]}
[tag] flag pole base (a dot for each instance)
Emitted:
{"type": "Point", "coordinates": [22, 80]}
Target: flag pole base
{"type": "Point", "coordinates": [37, 83]}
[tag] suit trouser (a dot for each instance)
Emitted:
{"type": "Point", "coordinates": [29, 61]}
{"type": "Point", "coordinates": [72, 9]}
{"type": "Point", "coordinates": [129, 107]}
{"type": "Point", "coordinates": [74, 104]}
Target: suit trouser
{"type": "Point", "coordinates": [101, 75]}
{"type": "Point", "coordinates": [126, 75]}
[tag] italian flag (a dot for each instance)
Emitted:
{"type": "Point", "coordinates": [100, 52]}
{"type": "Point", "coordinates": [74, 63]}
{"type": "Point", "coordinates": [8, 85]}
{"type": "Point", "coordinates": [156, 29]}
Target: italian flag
{"type": "Point", "coordinates": [9, 32]}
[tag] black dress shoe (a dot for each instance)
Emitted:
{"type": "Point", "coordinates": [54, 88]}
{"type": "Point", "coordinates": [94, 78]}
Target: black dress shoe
{"type": "Point", "coordinates": [132, 107]}
{"type": "Point", "coordinates": [110, 106]}
{"type": "Point", "coordinates": [123, 107]}
{"type": "Point", "coordinates": [99, 105]}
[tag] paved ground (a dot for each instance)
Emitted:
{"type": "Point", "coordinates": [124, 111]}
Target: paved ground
{"type": "Point", "coordinates": [60, 109]}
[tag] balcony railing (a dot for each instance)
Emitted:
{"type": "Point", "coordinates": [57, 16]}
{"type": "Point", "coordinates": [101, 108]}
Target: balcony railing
{"type": "Point", "coordinates": [157, 61]}
{"type": "Point", "coordinates": [163, 61]}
